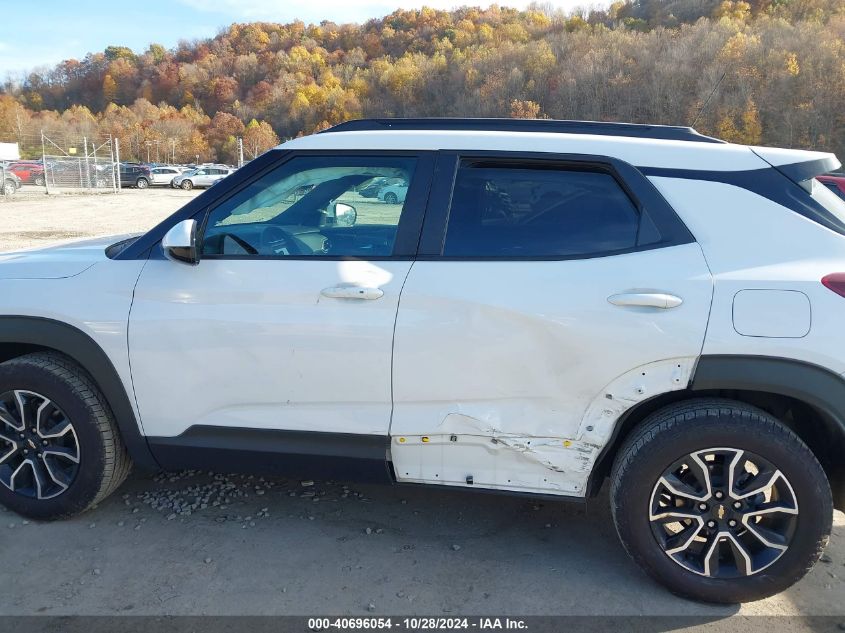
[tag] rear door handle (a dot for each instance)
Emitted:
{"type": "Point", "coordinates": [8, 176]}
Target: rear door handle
{"type": "Point", "coordinates": [352, 292]}
{"type": "Point", "coordinates": [660, 300]}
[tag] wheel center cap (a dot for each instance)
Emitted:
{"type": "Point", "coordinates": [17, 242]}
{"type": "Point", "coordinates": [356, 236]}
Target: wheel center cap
{"type": "Point", "coordinates": [31, 444]}
{"type": "Point", "coordinates": [720, 512]}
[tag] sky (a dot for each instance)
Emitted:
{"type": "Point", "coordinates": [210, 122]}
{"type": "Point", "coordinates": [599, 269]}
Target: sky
{"type": "Point", "coordinates": [54, 30]}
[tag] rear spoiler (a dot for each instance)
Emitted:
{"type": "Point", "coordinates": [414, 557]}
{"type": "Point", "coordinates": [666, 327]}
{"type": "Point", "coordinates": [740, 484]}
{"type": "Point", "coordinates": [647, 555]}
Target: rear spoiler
{"type": "Point", "coordinates": [798, 165]}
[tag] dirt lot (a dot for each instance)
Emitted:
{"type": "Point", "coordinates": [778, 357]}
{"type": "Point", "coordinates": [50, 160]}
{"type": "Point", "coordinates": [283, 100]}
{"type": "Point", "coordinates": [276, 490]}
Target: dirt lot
{"type": "Point", "coordinates": [31, 218]}
{"type": "Point", "coordinates": [195, 543]}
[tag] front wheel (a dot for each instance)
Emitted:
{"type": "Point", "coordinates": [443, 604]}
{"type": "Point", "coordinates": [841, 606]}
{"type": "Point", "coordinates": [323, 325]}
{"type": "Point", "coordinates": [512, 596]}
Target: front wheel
{"type": "Point", "coordinates": [39, 180]}
{"type": "Point", "coordinates": [390, 198]}
{"type": "Point", "coordinates": [720, 502]}
{"type": "Point", "coordinates": [187, 185]}
{"type": "Point", "coordinates": [142, 183]}
{"type": "Point", "coordinates": [60, 450]}
{"type": "Point", "coordinates": [10, 187]}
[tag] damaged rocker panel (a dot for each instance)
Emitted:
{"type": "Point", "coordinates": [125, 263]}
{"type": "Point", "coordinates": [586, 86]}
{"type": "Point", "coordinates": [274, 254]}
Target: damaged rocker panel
{"type": "Point", "coordinates": [472, 452]}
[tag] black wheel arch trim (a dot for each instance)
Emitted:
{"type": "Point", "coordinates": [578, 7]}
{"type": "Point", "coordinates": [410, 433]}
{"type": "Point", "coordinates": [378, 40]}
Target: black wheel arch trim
{"type": "Point", "coordinates": [58, 336]}
{"type": "Point", "coordinates": [805, 382]}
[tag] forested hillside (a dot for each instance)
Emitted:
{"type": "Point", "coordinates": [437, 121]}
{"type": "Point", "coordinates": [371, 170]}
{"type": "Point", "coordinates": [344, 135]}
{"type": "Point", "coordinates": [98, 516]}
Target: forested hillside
{"type": "Point", "coordinates": [654, 61]}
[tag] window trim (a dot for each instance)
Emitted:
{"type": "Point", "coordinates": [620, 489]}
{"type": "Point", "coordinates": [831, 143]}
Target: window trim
{"type": "Point", "coordinates": [643, 194]}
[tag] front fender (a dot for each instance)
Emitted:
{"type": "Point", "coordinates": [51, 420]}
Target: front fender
{"type": "Point", "coordinates": [72, 342]}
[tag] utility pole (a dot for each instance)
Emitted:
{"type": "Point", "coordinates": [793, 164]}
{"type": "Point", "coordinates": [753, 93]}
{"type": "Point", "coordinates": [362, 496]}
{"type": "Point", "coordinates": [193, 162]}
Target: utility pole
{"type": "Point", "coordinates": [148, 144]}
{"type": "Point", "coordinates": [173, 150]}
{"type": "Point", "coordinates": [87, 165]}
{"type": "Point", "coordinates": [44, 165]}
{"type": "Point", "coordinates": [114, 175]}
{"type": "Point", "coordinates": [157, 142]}
{"type": "Point", "coordinates": [117, 162]}
{"type": "Point", "coordinates": [240, 152]}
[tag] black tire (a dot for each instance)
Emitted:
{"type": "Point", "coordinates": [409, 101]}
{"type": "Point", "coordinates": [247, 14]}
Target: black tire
{"type": "Point", "coordinates": [391, 198]}
{"type": "Point", "coordinates": [142, 183]}
{"type": "Point", "coordinates": [39, 180]}
{"type": "Point", "coordinates": [10, 187]}
{"type": "Point", "coordinates": [682, 429]}
{"type": "Point", "coordinates": [103, 460]}
{"type": "Point", "coordinates": [187, 185]}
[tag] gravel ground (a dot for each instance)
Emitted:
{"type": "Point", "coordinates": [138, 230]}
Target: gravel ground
{"type": "Point", "coordinates": [30, 218]}
{"type": "Point", "coordinates": [199, 543]}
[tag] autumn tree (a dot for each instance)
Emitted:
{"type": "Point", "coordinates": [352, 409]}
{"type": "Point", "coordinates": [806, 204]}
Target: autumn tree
{"type": "Point", "coordinates": [258, 138]}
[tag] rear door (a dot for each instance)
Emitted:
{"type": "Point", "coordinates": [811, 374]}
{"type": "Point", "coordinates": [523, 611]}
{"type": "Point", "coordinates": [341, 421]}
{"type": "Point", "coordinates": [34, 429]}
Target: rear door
{"type": "Point", "coordinates": [550, 294]}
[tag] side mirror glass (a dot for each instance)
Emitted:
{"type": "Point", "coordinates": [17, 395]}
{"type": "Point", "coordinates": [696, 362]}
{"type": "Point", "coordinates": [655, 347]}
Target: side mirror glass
{"type": "Point", "coordinates": [345, 214]}
{"type": "Point", "coordinates": [180, 242]}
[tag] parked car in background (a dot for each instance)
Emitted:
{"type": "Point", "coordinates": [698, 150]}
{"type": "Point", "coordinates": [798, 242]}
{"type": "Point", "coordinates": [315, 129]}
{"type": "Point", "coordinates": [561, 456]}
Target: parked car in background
{"type": "Point", "coordinates": [163, 175]}
{"type": "Point", "coordinates": [30, 172]}
{"type": "Point", "coordinates": [10, 184]}
{"type": "Point", "coordinates": [371, 189]}
{"type": "Point", "coordinates": [393, 194]}
{"type": "Point", "coordinates": [835, 183]}
{"type": "Point", "coordinates": [133, 175]}
{"type": "Point", "coordinates": [203, 176]}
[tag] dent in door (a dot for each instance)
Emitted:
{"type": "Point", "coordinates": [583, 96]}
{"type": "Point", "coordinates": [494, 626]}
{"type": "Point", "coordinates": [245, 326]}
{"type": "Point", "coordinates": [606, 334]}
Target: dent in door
{"type": "Point", "coordinates": [472, 451]}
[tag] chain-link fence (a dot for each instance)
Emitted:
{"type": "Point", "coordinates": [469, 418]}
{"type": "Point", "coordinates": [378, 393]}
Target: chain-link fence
{"type": "Point", "coordinates": [62, 164]}
{"type": "Point", "coordinates": [79, 164]}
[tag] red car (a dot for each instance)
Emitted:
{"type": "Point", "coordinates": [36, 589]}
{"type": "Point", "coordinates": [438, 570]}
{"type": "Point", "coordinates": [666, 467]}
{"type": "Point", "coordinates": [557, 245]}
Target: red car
{"type": "Point", "coordinates": [30, 172]}
{"type": "Point", "coordinates": [835, 183]}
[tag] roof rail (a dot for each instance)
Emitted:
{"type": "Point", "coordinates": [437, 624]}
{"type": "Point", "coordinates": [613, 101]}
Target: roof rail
{"type": "Point", "coordinates": [636, 130]}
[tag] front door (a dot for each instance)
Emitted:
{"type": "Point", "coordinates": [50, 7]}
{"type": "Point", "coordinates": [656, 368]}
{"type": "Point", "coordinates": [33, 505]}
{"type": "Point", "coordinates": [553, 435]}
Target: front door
{"type": "Point", "coordinates": [286, 324]}
{"type": "Point", "coordinates": [562, 294]}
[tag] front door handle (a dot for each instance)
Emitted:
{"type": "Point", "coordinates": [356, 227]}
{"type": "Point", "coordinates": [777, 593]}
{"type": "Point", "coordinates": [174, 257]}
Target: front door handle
{"type": "Point", "coordinates": [660, 300]}
{"type": "Point", "coordinates": [352, 292]}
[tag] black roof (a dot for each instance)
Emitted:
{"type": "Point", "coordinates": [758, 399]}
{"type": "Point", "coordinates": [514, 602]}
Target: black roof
{"type": "Point", "coordinates": [636, 130]}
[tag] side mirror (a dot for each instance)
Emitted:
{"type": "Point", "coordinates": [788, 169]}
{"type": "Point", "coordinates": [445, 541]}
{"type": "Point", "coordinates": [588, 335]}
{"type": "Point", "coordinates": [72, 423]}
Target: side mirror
{"type": "Point", "coordinates": [345, 214]}
{"type": "Point", "coordinates": [180, 242]}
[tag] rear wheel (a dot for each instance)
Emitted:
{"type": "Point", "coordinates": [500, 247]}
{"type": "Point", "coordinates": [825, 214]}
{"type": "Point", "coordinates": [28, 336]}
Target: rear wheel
{"type": "Point", "coordinates": [10, 187]}
{"type": "Point", "coordinates": [39, 180]}
{"type": "Point", "coordinates": [720, 502]}
{"type": "Point", "coordinates": [187, 185]}
{"type": "Point", "coordinates": [60, 450]}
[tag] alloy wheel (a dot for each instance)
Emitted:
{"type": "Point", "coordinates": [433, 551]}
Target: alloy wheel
{"type": "Point", "coordinates": [723, 513]}
{"type": "Point", "coordinates": [39, 449]}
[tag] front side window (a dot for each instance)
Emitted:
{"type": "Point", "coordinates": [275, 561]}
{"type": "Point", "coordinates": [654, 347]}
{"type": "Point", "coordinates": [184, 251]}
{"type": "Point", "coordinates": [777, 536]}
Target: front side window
{"type": "Point", "coordinates": [513, 211]}
{"type": "Point", "coordinates": [313, 206]}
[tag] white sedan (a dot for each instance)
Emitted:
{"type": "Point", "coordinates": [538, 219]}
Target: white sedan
{"type": "Point", "coordinates": [393, 194]}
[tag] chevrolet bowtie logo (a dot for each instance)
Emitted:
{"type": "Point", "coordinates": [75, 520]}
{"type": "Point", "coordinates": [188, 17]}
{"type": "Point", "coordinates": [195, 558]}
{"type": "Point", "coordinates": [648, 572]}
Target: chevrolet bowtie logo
{"type": "Point", "coordinates": [32, 444]}
{"type": "Point", "coordinates": [721, 512]}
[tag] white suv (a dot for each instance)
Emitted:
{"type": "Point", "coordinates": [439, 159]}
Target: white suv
{"type": "Point", "coordinates": [552, 304]}
{"type": "Point", "coordinates": [202, 176]}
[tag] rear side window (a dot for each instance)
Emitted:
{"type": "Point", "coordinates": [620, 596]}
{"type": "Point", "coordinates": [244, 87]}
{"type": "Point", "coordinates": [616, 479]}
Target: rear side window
{"type": "Point", "coordinates": [530, 211]}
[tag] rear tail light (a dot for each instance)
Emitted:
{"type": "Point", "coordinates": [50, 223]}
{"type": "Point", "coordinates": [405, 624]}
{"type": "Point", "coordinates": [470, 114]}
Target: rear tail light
{"type": "Point", "coordinates": [835, 282]}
